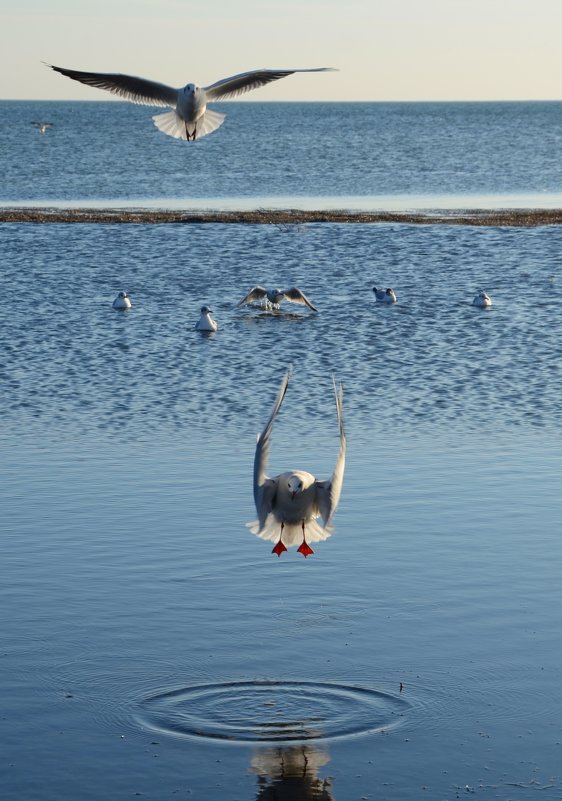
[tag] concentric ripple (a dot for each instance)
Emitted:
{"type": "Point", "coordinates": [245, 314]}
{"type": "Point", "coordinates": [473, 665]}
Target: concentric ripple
{"type": "Point", "coordinates": [271, 711]}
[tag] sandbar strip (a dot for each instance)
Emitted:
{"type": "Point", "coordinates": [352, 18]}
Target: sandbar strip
{"type": "Point", "coordinates": [283, 217]}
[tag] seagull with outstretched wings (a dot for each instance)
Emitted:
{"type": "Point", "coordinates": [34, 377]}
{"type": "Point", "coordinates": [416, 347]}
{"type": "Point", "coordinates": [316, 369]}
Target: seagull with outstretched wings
{"type": "Point", "coordinates": [190, 118]}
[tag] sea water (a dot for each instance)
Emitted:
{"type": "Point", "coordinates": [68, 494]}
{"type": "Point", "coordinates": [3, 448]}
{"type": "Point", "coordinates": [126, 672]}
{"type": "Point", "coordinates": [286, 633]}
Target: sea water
{"type": "Point", "coordinates": [150, 645]}
{"type": "Point", "coordinates": [350, 154]}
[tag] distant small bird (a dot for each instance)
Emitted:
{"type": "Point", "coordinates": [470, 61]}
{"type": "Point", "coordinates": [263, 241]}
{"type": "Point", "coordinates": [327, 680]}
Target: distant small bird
{"type": "Point", "coordinates": [122, 302]}
{"type": "Point", "coordinates": [190, 118]}
{"type": "Point", "coordinates": [42, 126]}
{"type": "Point", "coordinates": [482, 300]}
{"type": "Point", "coordinates": [273, 297]}
{"type": "Point", "coordinates": [288, 504]}
{"type": "Point", "coordinates": [206, 322]}
{"type": "Point", "coordinates": [385, 295]}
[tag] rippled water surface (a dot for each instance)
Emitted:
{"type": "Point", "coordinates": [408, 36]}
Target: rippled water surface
{"type": "Point", "coordinates": [112, 150]}
{"type": "Point", "coordinates": [150, 644]}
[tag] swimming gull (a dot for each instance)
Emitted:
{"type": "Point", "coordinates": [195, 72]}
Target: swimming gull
{"type": "Point", "coordinates": [482, 300]}
{"type": "Point", "coordinates": [190, 118]}
{"type": "Point", "coordinates": [122, 302]}
{"type": "Point", "coordinates": [385, 295]}
{"type": "Point", "coordinates": [288, 504]}
{"type": "Point", "coordinates": [206, 322]}
{"type": "Point", "coordinates": [273, 297]}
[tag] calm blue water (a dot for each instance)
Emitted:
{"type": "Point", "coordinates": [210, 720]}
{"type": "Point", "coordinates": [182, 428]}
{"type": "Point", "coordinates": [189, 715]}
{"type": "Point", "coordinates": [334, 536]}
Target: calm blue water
{"type": "Point", "coordinates": [150, 645]}
{"type": "Point", "coordinates": [358, 151]}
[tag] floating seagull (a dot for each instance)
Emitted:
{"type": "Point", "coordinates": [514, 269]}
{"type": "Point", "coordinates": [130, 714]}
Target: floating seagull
{"type": "Point", "coordinates": [385, 295]}
{"type": "Point", "coordinates": [273, 297]}
{"type": "Point", "coordinates": [42, 126]}
{"type": "Point", "coordinates": [288, 504]}
{"type": "Point", "coordinates": [190, 118]}
{"type": "Point", "coordinates": [206, 322]}
{"type": "Point", "coordinates": [122, 302]}
{"type": "Point", "coordinates": [482, 300]}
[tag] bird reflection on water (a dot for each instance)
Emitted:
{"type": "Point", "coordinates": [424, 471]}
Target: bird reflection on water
{"type": "Point", "coordinates": [291, 774]}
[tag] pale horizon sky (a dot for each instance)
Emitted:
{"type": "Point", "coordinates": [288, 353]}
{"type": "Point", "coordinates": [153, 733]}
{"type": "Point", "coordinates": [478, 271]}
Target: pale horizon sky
{"type": "Point", "coordinates": [384, 49]}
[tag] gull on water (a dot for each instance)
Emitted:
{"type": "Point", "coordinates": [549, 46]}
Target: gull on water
{"type": "Point", "coordinates": [122, 302]}
{"type": "Point", "coordinates": [42, 126]}
{"type": "Point", "coordinates": [385, 295]}
{"type": "Point", "coordinates": [190, 118]}
{"type": "Point", "coordinates": [273, 297]}
{"type": "Point", "coordinates": [482, 300]}
{"type": "Point", "coordinates": [206, 322]}
{"type": "Point", "coordinates": [288, 504]}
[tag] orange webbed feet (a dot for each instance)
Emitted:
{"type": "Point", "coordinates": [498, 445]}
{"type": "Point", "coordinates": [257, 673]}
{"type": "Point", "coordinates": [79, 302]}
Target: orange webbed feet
{"type": "Point", "coordinates": [279, 548]}
{"type": "Point", "coordinates": [305, 549]}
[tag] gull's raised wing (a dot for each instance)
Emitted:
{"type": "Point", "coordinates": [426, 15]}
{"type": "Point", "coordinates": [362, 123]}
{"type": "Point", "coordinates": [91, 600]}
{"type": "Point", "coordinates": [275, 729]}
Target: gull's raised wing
{"type": "Point", "coordinates": [137, 90]}
{"type": "Point", "coordinates": [296, 296]}
{"type": "Point", "coordinates": [246, 81]}
{"type": "Point", "coordinates": [328, 492]}
{"type": "Point", "coordinates": [264, 487]}
{"type": "Point", "coordinates": [257, 293]}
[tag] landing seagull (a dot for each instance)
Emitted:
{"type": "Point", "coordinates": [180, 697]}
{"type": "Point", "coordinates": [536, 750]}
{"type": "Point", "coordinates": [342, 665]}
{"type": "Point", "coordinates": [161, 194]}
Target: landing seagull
{"type": "Point", "coordinates": [288, 504]}
{"type": "Point", "coordinates": [190, 118]}
{"type": "Point", "coordinates": [273, 297]}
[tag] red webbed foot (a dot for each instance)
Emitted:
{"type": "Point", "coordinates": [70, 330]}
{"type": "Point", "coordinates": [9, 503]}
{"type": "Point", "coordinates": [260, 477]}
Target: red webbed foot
{"type": "Point", "coordinates": [279, 548]}
{"type": "Point", "coordinates": [305, 549]}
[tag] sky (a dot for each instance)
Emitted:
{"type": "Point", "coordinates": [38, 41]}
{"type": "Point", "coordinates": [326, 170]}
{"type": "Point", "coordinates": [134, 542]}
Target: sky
{"type": "Point", "coordinates": [384, 50]}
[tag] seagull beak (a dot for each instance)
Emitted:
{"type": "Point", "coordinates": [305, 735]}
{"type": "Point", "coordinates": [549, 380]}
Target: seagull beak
{"type": "Point", "coordinates": [293, 495]}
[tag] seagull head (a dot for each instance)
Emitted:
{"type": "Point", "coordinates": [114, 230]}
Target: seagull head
{"type": "Point", "coordinates": [190, 89]}
{"type": "Point", "coordinates": [206, 310]}
{"type": "Point", "coordinates": [122, 294]}
{"type": "Point", "coordinates": [295, 485]}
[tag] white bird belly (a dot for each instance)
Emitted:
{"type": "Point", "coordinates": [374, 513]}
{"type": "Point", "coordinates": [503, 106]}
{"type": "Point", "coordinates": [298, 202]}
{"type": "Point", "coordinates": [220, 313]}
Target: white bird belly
{"type": "Point", "coordinates": [190, 108]}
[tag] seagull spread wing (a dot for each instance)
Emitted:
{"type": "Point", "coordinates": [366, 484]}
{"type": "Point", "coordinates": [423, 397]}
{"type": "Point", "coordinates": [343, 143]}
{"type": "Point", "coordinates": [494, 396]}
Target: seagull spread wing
{"type": "Point", "coordinates": [264, 487]}
{"type": "Point", "coordinates": [137, 90]}
{"type": "Point", "coordinates": [296, 296]}
{"type": "Point", "coordinates": [328, 492]}
{"type": "Point", "coordinates": [245, 81]}
{"type": "Point", "coordinates": [257, 293]}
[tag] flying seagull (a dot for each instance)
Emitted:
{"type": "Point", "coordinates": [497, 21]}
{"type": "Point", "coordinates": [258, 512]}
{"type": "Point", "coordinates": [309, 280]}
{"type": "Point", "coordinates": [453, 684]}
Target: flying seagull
{"type": "Point", "coordinates": [273, 297]}
{"type": "Point", "coordinates": [288, 504]}
{"type": "Point", "coordinates": [42, 126]}
{"type": "Point", "coordinates": [190, 118]}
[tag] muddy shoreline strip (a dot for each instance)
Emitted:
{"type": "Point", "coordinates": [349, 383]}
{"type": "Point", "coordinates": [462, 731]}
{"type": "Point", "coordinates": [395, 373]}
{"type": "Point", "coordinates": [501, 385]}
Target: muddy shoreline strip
{"type": "Point", "coordinates": [284, 217]}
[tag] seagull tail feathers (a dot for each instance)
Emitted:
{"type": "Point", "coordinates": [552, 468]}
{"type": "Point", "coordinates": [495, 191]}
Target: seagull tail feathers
{"type": "Point", "coordinates": [292, 534]}
{"type": "Point", "coordinates": [172, 125]}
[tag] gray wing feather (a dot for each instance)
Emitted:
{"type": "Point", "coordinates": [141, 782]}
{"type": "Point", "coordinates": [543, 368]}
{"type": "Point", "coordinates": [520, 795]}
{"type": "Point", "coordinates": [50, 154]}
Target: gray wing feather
{"type": "Point", "coordinates": [137, 90]}
{"type": "Point", "coordinates": [328, 492]}
{"type": "Point", "coordinates": [296, 296]}
{"type": "Point", "coordinates": [264, 487]}
{"type": "Point", "coordinates": [257, 293]}
{"type": "Point", "coordinates": [246, 81]}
